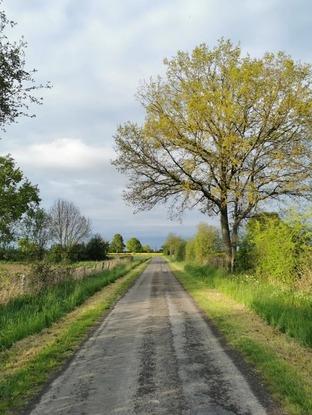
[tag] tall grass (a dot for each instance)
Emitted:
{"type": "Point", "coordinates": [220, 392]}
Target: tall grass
{"type": "Point", "coordinates": [30, 314]}
{"type": "Point", "coordinates": [287, 310]}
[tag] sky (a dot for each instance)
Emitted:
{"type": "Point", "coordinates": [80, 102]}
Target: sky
{"type": "Point", "coordinates": [96, 53]}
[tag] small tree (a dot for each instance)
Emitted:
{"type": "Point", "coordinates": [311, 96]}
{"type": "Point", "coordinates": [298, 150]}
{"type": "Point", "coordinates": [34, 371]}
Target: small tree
{"type": "Point", "coordinates": [29, 250]}
{"type": "Point", "coordinates": [206, 242]}
{"type": "Point", "coordinates": [171, 244]}
{"type": "Point", "coordinates": [117, 244]}
{"type": "Point", "coordinates": [17, 197]}
{"type": "Point", "coordinates": [97, 248]}
{"type": "Point", "coordinates": [35, 228]}
{"type": "Point", "coordinates": [67, 226]}
{"type": "Point", "coordinates": [134, 245]}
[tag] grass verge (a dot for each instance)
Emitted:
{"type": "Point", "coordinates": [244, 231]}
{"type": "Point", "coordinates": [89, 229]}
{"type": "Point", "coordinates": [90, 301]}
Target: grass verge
{"type": "Point", "coordinates": [30, 314]}
{"type": "Point", "coordinates": [288, 310]}
{"type": "Point", "coordinates": [285, 365]}
{"type": "Point", "coordinates": [29, 363]}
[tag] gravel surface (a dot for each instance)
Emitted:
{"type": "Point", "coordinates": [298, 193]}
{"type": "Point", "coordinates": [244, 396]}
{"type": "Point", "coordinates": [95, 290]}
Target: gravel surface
{"type": "Point", "coordinates": [155, 353]}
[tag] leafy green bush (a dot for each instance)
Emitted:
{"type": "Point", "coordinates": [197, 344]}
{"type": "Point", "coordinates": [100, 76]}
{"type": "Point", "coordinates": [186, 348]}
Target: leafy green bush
{"type": "Point", "coordinates": [77, 252]}
{"type": "Point", "coordinates": [56, 254]}
{"type": "Point", "coordinates": [97, 248]}
{"type": "Point", "coordinates": [274, 248]}
{"type": "Point", "coordinates": [204, 246]}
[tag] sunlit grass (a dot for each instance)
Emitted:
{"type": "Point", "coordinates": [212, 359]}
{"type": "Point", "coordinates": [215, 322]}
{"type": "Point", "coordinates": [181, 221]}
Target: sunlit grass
{"type": "Point", "coordinates": [284, 364]}
{"type": "Point", "coordinates": [29, 314]}
{"type": "Point", "coordinates": [287, 310]}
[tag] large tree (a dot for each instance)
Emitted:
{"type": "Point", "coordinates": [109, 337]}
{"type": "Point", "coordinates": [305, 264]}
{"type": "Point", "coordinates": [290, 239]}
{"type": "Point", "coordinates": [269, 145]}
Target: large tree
{"type": "Point", "coordinates": [67, 226]}
{"type": "Point", "coordinates": [17, 84]}
{"type": "Point", "coordinates": [222, 132]}
{"type": "Point", "coordinates": [17, 197]}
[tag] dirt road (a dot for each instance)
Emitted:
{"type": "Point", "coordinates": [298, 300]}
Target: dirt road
{"type": "Point", "coordinates": [154, 354]}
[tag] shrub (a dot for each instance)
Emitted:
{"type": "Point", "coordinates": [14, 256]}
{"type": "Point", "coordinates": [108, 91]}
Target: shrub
{"type": "Point", "coordinates": [56, 254]}
{"type": "Point", "coordinates": [190, 251]}
{"type": "Point", "coordinates": [97, 248]}
{"type": "Point", "coordinates": [180, 251]}
{"type": "Point", "coordinates": [77, 252]}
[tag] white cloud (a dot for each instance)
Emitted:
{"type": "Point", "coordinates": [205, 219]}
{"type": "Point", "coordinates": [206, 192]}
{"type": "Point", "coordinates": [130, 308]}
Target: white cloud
{"type": "Point", "coordinates": [63, 153]}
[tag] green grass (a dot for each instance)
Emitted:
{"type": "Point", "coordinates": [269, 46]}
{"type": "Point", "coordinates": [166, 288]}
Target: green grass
{"type": "Point", "coordinates": [27, 366]}
{"type": "Point", "coordinates": [287, 310]}
{"type": "Point", "coordinates": [284, 365]}
{"type": "Point", "coordinates": [29, 314]}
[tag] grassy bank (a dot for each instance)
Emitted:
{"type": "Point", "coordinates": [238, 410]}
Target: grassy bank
{"type": "Point", "coordinates": [30, 362]}
{"type": "Point", "coordinates": [29, 314]}
{"type": "Point", "coordinates": [288, 310]}
{"type": "Point", "coordinates": [284, 364]}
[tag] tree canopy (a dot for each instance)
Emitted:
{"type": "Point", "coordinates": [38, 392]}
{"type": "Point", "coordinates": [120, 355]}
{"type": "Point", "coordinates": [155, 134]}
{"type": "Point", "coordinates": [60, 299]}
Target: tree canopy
{"type": "Point", "coordinates": [17, 197]}
{"type": "Point", "coordinates": [222, 132]}
{"type": "Point", "coordinates": [17, 84]}
{"type": "Point", "coordinates": [117, 244]}
{"type": "Point", "coordinates": [134, 245]}
{"type": "Point", "coordinates": [67, 226]}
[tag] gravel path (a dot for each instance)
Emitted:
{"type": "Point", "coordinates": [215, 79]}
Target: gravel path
{"type": "Point", "coordinates": [154, 354]}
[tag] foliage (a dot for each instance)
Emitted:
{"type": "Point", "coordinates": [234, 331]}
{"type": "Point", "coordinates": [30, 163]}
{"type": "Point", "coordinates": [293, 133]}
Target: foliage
{"type": "Point", "coordinates": [146, 248]}
{"type": "Point", "coordinates": [29, 250]}
{"type": "Point", "coordinates": [17, 83]}
{"type": "Point", "coordinates": [35, 227]}
{"type": "Point", "coordinates": [190, 253]}
{"type": "Point", "coordinates": [180, 251]}
{"type": "Point", "coordinates": [134, 245]}
{"type": "Point", "coordinates": [206, 243]}
{"type": "Point", "coordinates": [171, 244]}
{"type": "Point", "coordinates": [67, 226]}
{"type": "Point", "coordinates": [56, 254]}
{"type": "Point", "coordinates": [97, 248]}
{"type": "Point", "coordinates": [276, 249]}
{"type": "Point", "coordinates": [117, 244]}
{"type": "Point", "coordinates": [77, 252]}
{"type": "Point", "coordinates": [223, 132]}
{"type": "Point", "coordinates": [17, 197]}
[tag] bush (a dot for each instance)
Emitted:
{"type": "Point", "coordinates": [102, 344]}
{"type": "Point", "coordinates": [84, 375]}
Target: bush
{"type": "Point", "coordinates": [29, 250]}
{"type": "Point", "coordinates": [56, 254]}
{"type": "Point", "coordinates": [180, 251]}
{"type": "Point", "coordinates": [190, 251]}
{"type": "Point", "coordinates": [204, 246]}
{"type": "Point", "coordinates": [274, 248]}
{"type": "Point", "coordinates": [77, 252]}
{"type": "Point", "coordinates": [97, 248]}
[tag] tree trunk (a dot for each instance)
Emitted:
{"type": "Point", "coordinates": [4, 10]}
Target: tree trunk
{"type": "Point", "coordinates": [226, 236]}
{"type": "Point", "coordinates": [234, 245]}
